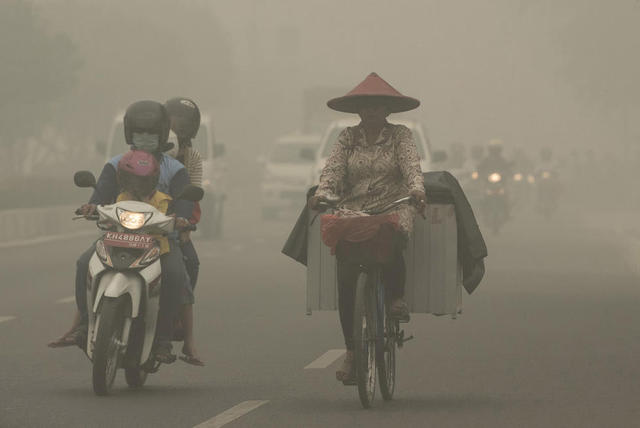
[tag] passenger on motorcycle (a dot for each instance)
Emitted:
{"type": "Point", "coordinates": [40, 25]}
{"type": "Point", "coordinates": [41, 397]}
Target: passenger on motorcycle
{"type": "Point", "coordinates": [371, 165]}
{"type": "Point", "coordinates": [146, 128]}
{"type": "Point", "coordinates": [184, 116]}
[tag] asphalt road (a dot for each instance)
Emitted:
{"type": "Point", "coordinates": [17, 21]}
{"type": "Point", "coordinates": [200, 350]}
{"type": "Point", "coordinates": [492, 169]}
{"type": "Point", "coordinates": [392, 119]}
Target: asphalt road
{"type": "Point", "coordinates": [550, 338]}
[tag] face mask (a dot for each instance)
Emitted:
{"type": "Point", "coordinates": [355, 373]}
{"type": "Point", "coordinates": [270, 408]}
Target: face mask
{"type": "Point", "coordinates": [146, 142]}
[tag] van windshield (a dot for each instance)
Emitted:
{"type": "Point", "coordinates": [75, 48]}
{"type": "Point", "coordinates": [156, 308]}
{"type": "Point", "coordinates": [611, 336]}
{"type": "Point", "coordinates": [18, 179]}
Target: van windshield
{"type": "Point", "coordinates": [291, 153]}
{"type": "Point", "coordinates": [335, 132]}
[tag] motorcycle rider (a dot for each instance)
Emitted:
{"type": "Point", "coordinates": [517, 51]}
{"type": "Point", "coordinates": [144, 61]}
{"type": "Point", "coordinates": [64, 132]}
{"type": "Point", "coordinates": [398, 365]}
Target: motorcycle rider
{"type": "Point", "coordinates": [184, 116]}
{"type": "Point", "coordinates": [146, 128]}
{"type": "Point", "coordinates": [496, 163]}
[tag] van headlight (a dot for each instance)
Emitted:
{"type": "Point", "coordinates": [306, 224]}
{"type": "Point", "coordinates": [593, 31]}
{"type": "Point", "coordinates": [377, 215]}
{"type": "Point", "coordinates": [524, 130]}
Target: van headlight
{"type": "Point", "coordinates": [474, 175]}
{"type": "Point", "coordinates": [132, 220]}
{"type": "Point", "coordinates": [495, 178]}
{"type": "Point", "coordinates": [517, 177]}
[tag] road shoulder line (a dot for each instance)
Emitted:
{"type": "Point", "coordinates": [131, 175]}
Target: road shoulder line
{"type": "Point", "coordinates": [8, 318]}
{"type": "Point", "coordinates": [232, 414]}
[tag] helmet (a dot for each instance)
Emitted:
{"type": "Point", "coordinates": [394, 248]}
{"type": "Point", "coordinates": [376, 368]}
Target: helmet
{"type": "Point", "coordinates": [185, 117]}
{"type": "Point", "coordinates": [138, 173]}
{"type": "Point", "coordinates": [147, 117]}
{"type": "Point", "coordinates": [495, 146]}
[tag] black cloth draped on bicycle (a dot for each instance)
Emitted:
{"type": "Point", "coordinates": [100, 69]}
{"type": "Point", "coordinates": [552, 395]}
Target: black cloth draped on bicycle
{"type": "Point", "coordinates": [440, 187]}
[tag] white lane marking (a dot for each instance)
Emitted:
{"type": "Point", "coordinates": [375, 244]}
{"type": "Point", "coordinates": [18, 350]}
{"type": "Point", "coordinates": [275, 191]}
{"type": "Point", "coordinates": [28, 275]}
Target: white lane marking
{"type": "Point", "coordinates": [44, 239]}
{"type": "Point", "coordinates": [66, 299]}
{"type": "Point", "coordinates": [326, 359]}
{"type": "Point", "coordinates": [236, 248]}
{"type": "Point", "coordinates": [232, 414]}
{"type": "Point", "coordinates": [3, 319]}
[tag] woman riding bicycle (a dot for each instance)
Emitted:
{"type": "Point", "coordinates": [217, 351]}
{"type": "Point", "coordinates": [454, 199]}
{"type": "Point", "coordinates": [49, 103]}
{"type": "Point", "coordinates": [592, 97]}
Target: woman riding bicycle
{"type": "Point", "coordinates": [371, 165]}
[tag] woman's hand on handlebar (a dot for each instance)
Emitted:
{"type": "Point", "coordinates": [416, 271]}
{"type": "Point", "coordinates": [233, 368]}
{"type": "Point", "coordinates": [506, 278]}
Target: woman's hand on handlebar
{"type": "Point", "coordinates": [419, 200]}
{"type": "Point", "coordinates": [314, 202]}
{"type": "Point", "coordinates": [87, 210]}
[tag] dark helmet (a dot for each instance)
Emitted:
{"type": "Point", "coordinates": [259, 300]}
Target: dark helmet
{"type": "Point", "coordinates": [185, 117]}
{"type": "Point", "coordinates": [146, 117]}
{"type": "Point", "coordinates": [138, 173]}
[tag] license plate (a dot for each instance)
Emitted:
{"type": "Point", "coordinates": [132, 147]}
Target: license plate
{"type": "Point", "coordinates": [128, 240]}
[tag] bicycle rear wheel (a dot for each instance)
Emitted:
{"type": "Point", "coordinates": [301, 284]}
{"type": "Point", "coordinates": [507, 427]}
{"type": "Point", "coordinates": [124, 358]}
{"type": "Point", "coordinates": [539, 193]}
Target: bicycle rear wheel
{"type": "Point", "coordinates": [364, 338]}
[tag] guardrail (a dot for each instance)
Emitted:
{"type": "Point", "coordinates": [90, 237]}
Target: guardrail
{"type": "Point", "coordinates": [33, 223]}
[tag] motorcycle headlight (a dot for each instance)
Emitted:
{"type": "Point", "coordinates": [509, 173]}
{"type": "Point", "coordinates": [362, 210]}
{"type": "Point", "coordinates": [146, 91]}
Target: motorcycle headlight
{"type": "Point", "coordinates": [495, 178]}
{"type": "Point", "coordinates": [531, 179]}
{"type": "Point", "coordinates": [474, 175]}
{"type": "Point", "coordinates": [132, 220]}
{"type": "Point", "coordinates": [546, 174]}
{"type": "Point", "coordinates": [517, 177]}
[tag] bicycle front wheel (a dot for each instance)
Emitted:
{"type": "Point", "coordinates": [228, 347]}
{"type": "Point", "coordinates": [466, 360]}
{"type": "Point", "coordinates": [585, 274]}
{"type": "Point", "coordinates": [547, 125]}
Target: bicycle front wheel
{"type": "Point", "coordinates": [364, 338]}
{"type": "Point", "coordinates": [387, 358]}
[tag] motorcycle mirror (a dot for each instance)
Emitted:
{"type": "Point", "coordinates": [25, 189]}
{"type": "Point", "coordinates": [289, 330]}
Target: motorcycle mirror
{"type": "Point", "coordinates": [84, 179]}
{"type": "Point", "coordinates": [192, 193]}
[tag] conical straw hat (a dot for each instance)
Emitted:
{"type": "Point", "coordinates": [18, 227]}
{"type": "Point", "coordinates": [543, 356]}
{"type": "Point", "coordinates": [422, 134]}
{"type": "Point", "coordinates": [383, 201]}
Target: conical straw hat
{"type": "Point", "coordinates": [373, 89]}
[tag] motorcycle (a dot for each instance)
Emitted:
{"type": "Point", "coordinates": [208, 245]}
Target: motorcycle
{"type": "Point", "coordinates": [547, 193]}
{"type": "Point", "coordinates": [494, 204]}
{"type": "Point", "coordinates": [123, 287]}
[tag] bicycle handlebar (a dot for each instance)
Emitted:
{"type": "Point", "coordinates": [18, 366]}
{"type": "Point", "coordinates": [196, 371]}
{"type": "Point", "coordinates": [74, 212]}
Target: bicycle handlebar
{"type": "Point", "coordinates": [327, 204]}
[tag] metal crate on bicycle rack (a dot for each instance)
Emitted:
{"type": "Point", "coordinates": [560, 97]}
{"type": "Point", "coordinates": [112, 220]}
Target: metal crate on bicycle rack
{"type": "Point", "coordinates": [434, 271]}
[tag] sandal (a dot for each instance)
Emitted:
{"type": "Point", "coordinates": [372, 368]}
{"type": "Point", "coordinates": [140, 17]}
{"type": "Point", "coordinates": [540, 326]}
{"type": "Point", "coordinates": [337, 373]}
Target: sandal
{"type": "Point", "coordinates": [77, 336]}
{"type": "Point", "coordinates": [346, 373]}
{"type": "Point", "coordinates": [162, 353]}
{"type": "Point", "coordinates": [191, 359]}
{"type": "Point", "coordinates": [400, 310]}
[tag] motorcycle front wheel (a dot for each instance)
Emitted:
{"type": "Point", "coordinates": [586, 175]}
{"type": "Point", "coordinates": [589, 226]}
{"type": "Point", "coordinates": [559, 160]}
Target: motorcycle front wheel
{"type": "Point", "coordinates": [108, 347]}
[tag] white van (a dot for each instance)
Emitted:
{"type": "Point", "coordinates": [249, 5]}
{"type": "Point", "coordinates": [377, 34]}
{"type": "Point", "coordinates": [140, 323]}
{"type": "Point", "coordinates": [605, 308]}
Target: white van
{"type": "Point", "coordinates": [427, 157]}
{"type": "Point", "coordinates": [213, 165]}
{"type": "Point", "coordinates": [286, 171]}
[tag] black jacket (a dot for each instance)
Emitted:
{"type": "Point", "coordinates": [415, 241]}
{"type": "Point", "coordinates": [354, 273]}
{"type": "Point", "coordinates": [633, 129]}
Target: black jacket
{"type": "Point", "coordinates": [440, 187]}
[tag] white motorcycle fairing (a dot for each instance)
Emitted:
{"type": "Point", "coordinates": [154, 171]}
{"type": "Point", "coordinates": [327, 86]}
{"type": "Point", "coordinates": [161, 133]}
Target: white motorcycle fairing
{"type": "Point", "coordinates": [112, 283]}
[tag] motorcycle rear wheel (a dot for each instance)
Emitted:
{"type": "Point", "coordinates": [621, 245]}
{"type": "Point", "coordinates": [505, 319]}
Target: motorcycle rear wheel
{"type": "Point", "coordinates": [107, 351]}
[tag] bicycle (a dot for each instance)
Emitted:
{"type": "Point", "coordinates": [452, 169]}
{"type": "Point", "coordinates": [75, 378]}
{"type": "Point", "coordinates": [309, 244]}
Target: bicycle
{"type": "Point", "coordinates": [376, 334]}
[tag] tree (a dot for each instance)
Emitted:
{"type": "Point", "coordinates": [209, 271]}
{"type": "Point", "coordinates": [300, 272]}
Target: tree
{"type": "Point", "coordinates": [37, 69]}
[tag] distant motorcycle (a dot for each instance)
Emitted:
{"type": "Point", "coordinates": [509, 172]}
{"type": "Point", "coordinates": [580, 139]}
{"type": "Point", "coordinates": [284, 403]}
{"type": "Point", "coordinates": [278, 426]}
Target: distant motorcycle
{"type": "Point", "coordinates": [548, 190]}
{"type": "Point", "coordinates": [123, 287]}
{"type": "Point", "coordinates": [494, 204]}
{"type": "Point", "coordinates": [522, 189]}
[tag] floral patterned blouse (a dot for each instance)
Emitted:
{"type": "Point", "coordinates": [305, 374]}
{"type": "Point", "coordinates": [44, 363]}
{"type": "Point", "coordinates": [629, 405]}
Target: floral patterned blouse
{"type": "Point", "coordinates": [370, 176]}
